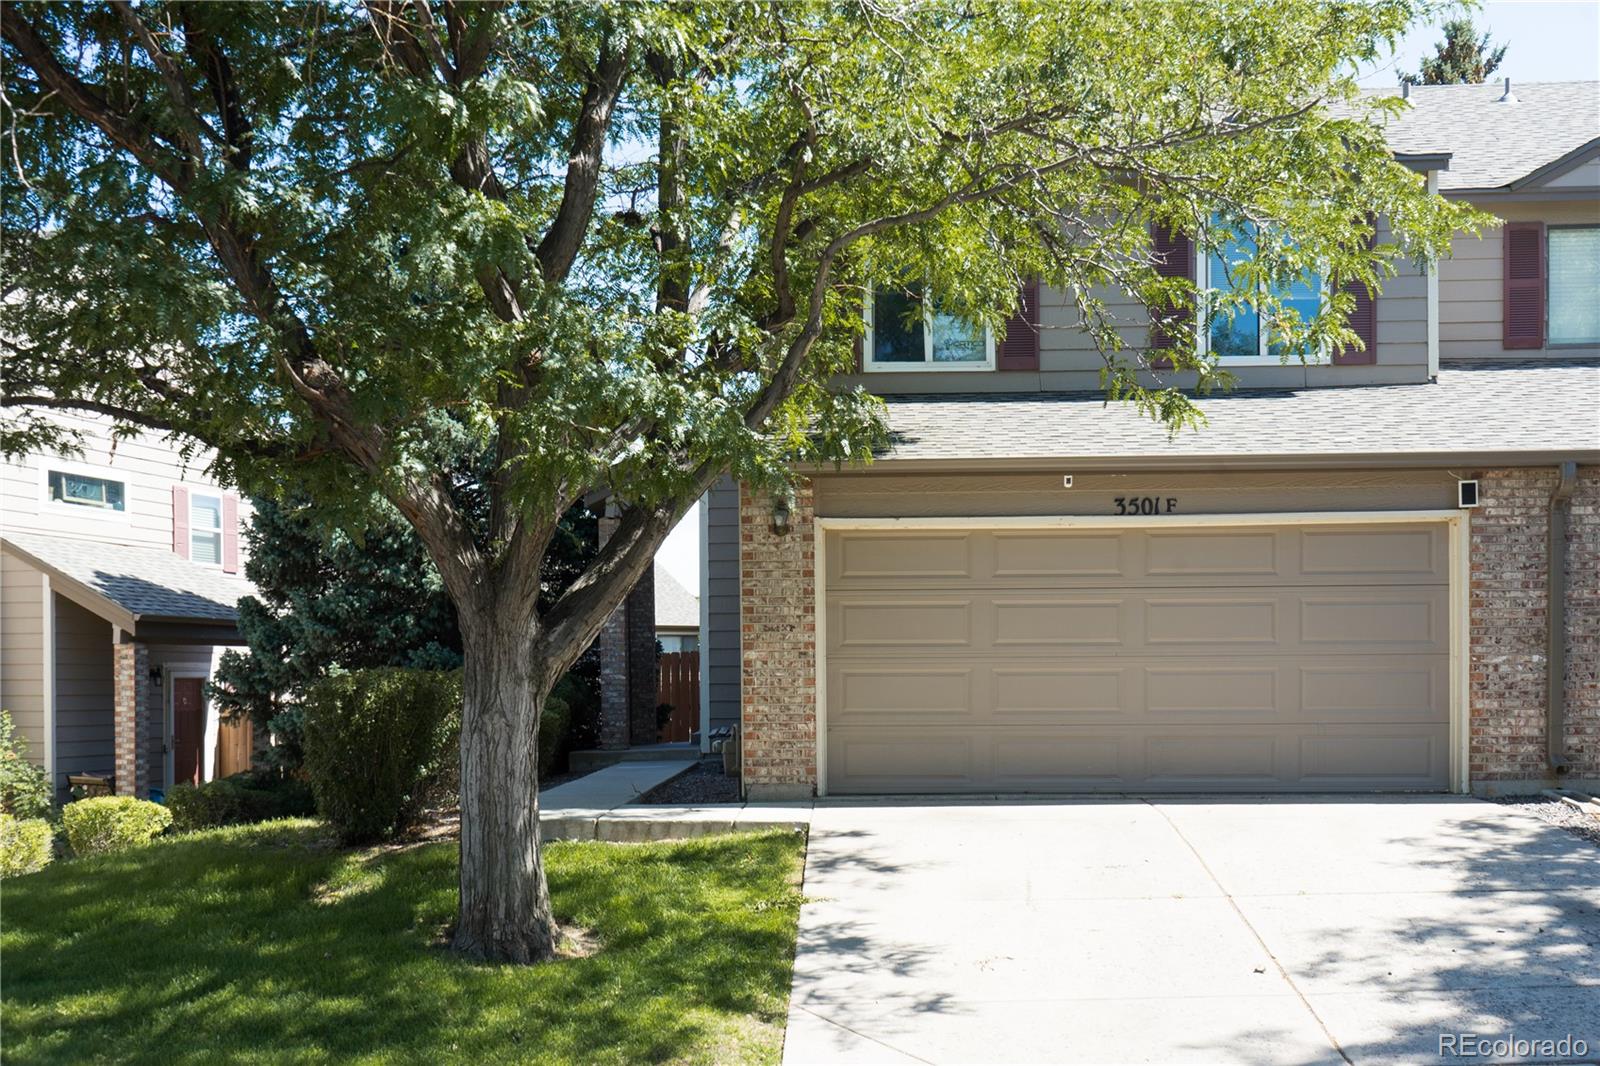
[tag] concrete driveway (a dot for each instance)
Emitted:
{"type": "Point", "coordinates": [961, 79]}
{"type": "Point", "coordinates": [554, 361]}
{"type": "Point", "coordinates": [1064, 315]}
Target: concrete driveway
{"type": "Point", "coordinates": [1247, 929]}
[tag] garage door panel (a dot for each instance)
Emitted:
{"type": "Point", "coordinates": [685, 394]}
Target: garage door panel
{"type": "Point", "coordinates": [922, 624]}
{"type": "Point", "coordinates": [874, 694]}
{"type": "Point", "coordinates": [930, 555]}
{"type": "Point", "coordinates": [1212, 554]}
{"type": "Point", "coordinates": [1390, 620]}
{"type": "Point", "coordinates": [1061, 694]}
{"type": "Point", "coordinates": [1147, 660]}
{"type": "Point", "coordinates": [1026, 622]}
{"type": "Point", "coordinates": [1373, 760]}
{"type": "Point", "coordinates": [1410, 554]}
{"type": "Point", "coordinates": [1047, 555]}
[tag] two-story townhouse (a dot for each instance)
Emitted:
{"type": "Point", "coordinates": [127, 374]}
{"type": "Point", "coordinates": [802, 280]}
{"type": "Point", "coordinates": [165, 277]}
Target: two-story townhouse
{"type": "Point", "coordinates": [120, 568]}
{"type": "Point", "coordinates": [1377, 571]}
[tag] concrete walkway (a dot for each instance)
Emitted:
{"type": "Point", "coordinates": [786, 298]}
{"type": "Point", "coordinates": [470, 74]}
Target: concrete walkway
{"type": "Point", "coordinates": [1247, 929]}
{"type": "Point", "coordinates": [600, 806]}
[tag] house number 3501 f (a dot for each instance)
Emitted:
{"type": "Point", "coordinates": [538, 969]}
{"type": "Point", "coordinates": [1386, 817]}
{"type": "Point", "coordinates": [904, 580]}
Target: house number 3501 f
{"type": "Point", "coordinates": [1145, 504]}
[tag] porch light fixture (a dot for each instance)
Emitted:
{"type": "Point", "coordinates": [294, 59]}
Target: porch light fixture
{"type": "Point", "coordinates": [782, 513]}
{"type": "Point", "coordinates": [155, 677]}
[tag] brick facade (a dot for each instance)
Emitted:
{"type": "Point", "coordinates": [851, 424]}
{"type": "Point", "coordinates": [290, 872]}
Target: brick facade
{"type": "Point", "coordinates": [1508, 631]}
{"type": "Point", "coordinates": [136, 722]}
{"type": "Point", "coordinates": [778, 648]}
{"type": "Point", "coordinates": [1509, 626]}
{"type": "Point", "coordinates": [629, 670]}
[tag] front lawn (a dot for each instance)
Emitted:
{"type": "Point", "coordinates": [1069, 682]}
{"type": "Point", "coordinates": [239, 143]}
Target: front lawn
{"type": "Point", "coordinates": [266, 944]}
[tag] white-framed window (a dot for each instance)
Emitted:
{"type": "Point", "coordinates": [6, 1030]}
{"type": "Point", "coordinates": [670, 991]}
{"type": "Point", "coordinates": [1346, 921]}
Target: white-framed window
{"type": "Point", "coordinates": [84, 491]}
{"type": "Point", "coordinates": [1243, 338]}
{"type": "Point", "coordinates": [906, 332]}
{"type": "Point", "coordinates": [1573, 280]}
{"type": "Point", "coordinates": [205, 529]}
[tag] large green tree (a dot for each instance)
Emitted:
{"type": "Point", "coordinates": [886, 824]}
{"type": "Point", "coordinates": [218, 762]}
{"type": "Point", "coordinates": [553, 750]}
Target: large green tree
{"type": "Point", "coordinates": [621, 247]}
{"type": "Point", "coordinates": [1461, 58]}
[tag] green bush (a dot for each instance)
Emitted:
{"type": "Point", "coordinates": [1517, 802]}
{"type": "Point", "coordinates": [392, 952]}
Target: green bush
{"type": "Point", "coordinates": [252, 796]}
{"type": "Point", "coordinates": [379, 744]}
{"type": "Point", "coordinates": [25, 845]}
{"type": "Point", "coordinates": [112, 823]}
{"type": "Point", "coordinates": [24, 788]}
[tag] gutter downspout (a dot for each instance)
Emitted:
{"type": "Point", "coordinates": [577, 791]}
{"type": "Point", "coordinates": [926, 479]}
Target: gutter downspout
{"type": "Point", "coordinates": [1556, 614]}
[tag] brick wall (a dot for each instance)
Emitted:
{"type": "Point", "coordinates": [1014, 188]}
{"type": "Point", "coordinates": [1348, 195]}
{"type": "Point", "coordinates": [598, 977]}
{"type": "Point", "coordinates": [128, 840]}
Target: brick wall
{"type": "Point", "coordinates": [136, 722]}
{"type": "Point", "coordinates": [644, 668]}
{"type": "Point", "coordinates": [778, 628]}
{"type": "Point", "coordinates": [1509, 626]}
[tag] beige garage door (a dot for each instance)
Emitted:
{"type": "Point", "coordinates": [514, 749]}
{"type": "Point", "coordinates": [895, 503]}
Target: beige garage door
{"type": "Point", "coordinates": [1238, 659]}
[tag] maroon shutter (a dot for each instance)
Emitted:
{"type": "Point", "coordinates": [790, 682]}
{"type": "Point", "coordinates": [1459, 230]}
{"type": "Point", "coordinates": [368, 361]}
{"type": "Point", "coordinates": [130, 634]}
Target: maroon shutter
{"type": "Point", "coordinates": [180, 521]}
{"type": "Point", "coordinates": [1020, 348]}
{"type": "Point", "coordinates": [1363, 317]}
{"type": "Point", "coordinates": [860, 336]}
{"type": "Point", "coordinates": [1174, 258]}
{"type": "Point", "coordinates": [230, 534]}
{"type": "Point", "coordinates": [1522, 310]}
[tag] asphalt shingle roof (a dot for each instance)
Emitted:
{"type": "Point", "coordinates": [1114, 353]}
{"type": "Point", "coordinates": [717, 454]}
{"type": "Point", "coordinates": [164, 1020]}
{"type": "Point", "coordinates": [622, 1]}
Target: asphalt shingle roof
{"type": "Point", "coordinates": [1492, 144]}
{"type": "Point", "coordinates": [146, 582]}
{"type": "Point", "coordinates": [1472, 408]}
{"type": "Point", "coordinates": [676, 606]}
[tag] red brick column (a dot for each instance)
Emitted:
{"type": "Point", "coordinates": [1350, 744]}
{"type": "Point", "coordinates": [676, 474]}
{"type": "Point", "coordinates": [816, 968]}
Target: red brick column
{"type": "Point", "coordinates": [778, 628]}
{"type": "Point", "coordinates": [1510, 575]}
{"type": "Point", "coordinates": [613, 665]}
{"type": "Point", "coordinates": [136, 722]}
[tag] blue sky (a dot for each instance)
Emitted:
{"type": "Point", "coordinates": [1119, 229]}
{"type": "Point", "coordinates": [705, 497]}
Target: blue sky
{"type": "Point", "coordinates": [1547, 40]}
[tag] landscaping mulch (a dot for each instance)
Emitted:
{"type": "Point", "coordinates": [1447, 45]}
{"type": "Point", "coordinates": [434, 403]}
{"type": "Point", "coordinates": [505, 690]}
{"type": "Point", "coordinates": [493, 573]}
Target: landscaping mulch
{"type": "Point", "coordinates": [706, 783]}
{"type": "Point", "coordinates": [1559, 814]}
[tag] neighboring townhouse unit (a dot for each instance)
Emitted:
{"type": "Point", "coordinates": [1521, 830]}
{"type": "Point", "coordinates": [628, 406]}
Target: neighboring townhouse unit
{"type": "Point", "coordinates": [1378, 571]}
{"type": "Point", "coordinates": [120, 568]}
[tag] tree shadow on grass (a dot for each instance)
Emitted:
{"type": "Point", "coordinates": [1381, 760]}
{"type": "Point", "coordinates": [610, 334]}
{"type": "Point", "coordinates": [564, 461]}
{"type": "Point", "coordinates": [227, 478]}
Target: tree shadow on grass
{"type": "Point", "coordinates": [211, 947]}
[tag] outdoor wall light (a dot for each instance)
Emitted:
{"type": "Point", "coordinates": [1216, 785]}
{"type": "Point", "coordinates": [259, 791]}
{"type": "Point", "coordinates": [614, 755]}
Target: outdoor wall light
{"type": "Point", "coordinates": [782, 513]}
{"type": "Point", "coordinates": [155, 676]}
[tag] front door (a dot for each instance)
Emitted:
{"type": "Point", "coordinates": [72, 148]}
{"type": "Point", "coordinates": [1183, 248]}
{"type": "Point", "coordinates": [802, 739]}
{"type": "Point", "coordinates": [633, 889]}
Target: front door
{"type": "Point", "coordinates": [188, 730]}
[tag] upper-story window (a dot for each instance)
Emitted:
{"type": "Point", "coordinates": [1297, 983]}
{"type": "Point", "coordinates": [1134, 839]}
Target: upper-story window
{"type": "Point", "coordinates": [82, 490]}
{"type": "Point", "coordinates": [1574, 279]}
{"type": "Point", "coordinates": [905, 331]}
{"type": "Point", "coordinates": [205, 529]}
{"type": "Point", "coordinates": [1243, 336]}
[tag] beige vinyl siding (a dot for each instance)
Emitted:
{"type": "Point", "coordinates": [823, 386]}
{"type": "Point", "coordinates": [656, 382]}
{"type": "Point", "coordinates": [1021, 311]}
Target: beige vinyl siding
{"type": "Point", "coordinates": [1069, 361]}
{"type": "Point", "coordinates": [148, 465]}
{"type": "Point", "coordinates": [85, 694]}
{"type": "Point", "coordinates": [22, 651]}
{"type": "Point", "coordinates": [1471, 284]}
{"type": "Point", "coordinates": [719, 651]}
{"type": "Point", "coordinates": [881, 494]}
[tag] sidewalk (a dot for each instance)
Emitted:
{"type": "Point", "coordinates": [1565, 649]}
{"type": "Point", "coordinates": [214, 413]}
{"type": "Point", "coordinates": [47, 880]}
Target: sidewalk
{"type": "Point", "coordinates": [599, 806]}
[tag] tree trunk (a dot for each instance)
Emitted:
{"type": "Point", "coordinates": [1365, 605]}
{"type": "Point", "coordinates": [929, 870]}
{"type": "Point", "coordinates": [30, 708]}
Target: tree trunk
{"type": "Point", "coordinates": [505, 902]}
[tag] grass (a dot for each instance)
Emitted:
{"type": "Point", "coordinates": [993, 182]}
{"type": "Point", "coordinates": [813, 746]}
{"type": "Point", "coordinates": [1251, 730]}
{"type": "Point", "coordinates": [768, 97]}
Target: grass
{"type": "Point", "coordinates": [266, 944]}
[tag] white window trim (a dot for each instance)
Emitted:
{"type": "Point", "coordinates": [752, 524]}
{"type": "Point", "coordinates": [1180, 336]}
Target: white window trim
{"type": "Point", "coordinates": [870, 365]}
{"type": "Point", "coordinates": [1549, 276]}
{"type": "Point", "coordinates": [49, 505]}
{"type": "Point", "coordinates": [1263, 356]}
{"type": "Point", "coordinates": [217, 529]}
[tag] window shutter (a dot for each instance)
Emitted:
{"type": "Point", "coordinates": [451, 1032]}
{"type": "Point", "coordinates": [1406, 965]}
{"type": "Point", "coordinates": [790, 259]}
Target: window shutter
{"type": "Point", "coordinates": [1363, 317]}
{"type": "Point", "coordinates": [1020, 348]}
{"type": "Point", "coordinates": [1522, 309]}
{"type": "Point", "coordinates": [180, 521]}
{"type": "Point", "coordinates": [230, 534]}
{"type": "Point", "coordinates": [860, 337]}
{"type": "Point", "coordinates": [1174, 258]}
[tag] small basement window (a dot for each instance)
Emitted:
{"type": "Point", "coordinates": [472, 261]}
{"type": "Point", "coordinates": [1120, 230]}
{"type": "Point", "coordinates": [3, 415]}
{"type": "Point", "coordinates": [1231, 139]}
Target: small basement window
{"type": "Point", "coordinates": [205, 529]}
{"type": "Point", "coordinates": [81, 490]}
{"type": "Point", "coordinates": [1574, 279]}
{"type": "Point", "coordinates": [905, 331]}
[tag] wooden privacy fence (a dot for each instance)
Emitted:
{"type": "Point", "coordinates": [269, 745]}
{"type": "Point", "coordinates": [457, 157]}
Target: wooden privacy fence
{"type": "Point", "coordinates": [236, 741]}
{"type": "Point", "coordinates": [680, 686]}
